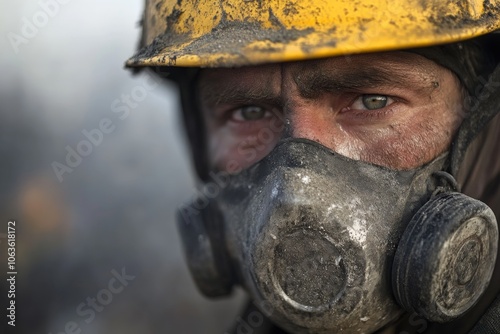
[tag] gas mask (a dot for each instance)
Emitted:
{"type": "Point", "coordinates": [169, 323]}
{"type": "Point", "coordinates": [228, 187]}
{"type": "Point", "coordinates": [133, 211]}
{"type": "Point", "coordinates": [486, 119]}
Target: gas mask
{"type": "Point", "coordinates": [324, 243]}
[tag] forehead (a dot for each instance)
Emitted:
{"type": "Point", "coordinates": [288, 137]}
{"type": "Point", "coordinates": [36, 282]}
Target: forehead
{"type": "Point", "coordinates": [397, 64]}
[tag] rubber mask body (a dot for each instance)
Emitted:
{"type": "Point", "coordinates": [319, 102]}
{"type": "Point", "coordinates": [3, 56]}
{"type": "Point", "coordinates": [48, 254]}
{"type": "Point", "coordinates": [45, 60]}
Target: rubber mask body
{"type": "Point", "coordinates": [312, 234]}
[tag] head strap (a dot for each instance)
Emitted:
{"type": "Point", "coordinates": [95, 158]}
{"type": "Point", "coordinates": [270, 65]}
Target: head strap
{"type": "Point", "coordinates": [481, 109]}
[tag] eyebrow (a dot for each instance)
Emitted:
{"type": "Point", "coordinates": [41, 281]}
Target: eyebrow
{"type": "Point", "coordinates": [231, 94]}
{"type": "Point", "coordinates": [314, 82]}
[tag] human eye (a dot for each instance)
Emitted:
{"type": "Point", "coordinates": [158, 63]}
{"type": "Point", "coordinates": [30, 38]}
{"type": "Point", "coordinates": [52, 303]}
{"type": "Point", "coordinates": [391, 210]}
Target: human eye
{"type": "Point", "coordinates": [371, 102]}
{"type": "Point", "coordinates": [250, 113]}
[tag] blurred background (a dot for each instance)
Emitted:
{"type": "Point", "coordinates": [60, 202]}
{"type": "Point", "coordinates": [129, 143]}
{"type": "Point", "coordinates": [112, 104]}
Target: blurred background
{"type": "Point", "coordinates": [93, 166]}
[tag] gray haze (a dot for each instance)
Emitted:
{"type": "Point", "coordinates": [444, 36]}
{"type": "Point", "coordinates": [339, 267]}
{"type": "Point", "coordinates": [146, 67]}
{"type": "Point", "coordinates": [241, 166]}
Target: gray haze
{"type": "Point", "coordinates": [115, 209]}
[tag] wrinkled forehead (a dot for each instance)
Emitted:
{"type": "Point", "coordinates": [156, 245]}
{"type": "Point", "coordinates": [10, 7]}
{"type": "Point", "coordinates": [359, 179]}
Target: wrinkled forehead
{"type": "Point", "coordinates": [387, 69]}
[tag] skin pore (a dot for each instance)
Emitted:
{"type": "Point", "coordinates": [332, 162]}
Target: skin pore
{"type": "Point", "coordinates": [394, 109]}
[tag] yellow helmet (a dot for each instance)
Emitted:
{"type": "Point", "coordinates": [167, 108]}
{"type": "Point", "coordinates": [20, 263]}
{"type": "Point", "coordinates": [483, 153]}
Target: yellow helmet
{"type": "Point", "coordinates": [227, 33]}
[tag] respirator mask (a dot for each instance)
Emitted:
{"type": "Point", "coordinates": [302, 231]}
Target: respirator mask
{"type": "Point", "coordinates": [329, 244]}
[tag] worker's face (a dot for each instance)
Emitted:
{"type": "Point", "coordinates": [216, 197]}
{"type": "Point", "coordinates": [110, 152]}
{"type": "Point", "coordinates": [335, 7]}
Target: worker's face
{"type": "Point", "coordinates": [395, 109]}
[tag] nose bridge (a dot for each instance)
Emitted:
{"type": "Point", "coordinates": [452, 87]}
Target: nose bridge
{"type": "Point", "coordinates": [310, 117]}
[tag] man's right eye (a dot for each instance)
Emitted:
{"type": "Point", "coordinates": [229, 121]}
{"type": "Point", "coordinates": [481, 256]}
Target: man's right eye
{"type": "Point", "coordinates": [250, 113]}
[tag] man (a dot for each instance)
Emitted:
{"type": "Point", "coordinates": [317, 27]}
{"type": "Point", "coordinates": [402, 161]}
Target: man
{"type": "Point", "coordinates": [333, 139]}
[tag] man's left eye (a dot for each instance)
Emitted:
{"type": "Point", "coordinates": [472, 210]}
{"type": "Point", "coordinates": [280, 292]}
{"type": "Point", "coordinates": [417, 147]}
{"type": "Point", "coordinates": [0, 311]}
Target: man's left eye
{"type": "Point", "coordinates": [371, 102]}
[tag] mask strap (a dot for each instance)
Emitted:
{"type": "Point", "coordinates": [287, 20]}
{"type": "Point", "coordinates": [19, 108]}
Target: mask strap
{"type": "Point", "coordinates": [481, 109]}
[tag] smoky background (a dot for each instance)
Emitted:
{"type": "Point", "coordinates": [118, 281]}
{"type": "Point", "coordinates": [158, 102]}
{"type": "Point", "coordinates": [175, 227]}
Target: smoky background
{"type": "Point", "coordinates": [111, 211]}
